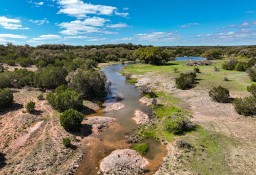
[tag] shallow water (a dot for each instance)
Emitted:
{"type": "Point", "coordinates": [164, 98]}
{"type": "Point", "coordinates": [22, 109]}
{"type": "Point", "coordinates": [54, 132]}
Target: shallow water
{"type": "Point", "coordinates": [113, 138]}
{"type": "Point", "coordinates": [190, 58]}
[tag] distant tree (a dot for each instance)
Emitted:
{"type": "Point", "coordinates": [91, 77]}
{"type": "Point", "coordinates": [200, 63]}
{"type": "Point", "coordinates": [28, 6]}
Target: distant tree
{"type": "Point", "coordinates": [230, 65]}
{"type": "Point", "coordinates": [71, 120]}
{"type": "Point", "coordinates": [212, 54]}
{"type": "Point", "coordinates": [6, 98]}
{"type": "Point", "coordinates": [153, 55]}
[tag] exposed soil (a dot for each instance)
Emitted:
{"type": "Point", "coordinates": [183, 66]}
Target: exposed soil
{"type": "Point", "coordinates": [32, 143]}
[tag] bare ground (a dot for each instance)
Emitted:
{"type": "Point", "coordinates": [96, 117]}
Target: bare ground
{"type": "Point", "coordinates": [32, 144]}
{"type": "Point", "coordinates": [214, 116]}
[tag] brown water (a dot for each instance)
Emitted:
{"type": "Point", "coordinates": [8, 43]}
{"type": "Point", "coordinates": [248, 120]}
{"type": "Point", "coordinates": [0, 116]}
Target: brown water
{"type": "Point", "coordinates": [102, 145]}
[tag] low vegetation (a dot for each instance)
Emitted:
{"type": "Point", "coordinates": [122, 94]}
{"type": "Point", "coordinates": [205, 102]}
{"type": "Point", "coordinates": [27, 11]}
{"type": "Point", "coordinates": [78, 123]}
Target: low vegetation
{"type": "Point", "coordinates": [177, 124]}
{"type": "Point", "coordinates": [141, 148]}
{"type": "Point", "coordinates": [186, 80]}
{"type": "Point", "coordinates": [71, 120]}
{"type": "Point", "coordinates": [220, 94]}
{"type": "Point", "coordinates": [66, 142]}
{"type": "Point", "coordinates": [30, 107]}
{"type": "Point", "coordinates": [64, 99]}
{"type": "Point", "coordinates": [6, 98]}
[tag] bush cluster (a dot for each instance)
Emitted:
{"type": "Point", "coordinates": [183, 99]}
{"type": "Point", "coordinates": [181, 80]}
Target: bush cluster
{"type": "Point", "coordinates": [71, 120]}
{"type": "Point", "coordinates": [247, 106]}
{"type": "Point", "coordinates": [252, 73]}
{"type": "Point", "coordinates": [177, 124]}
{"type": "Point", "coordinates": [219, 94]}
{"type": "Point", "coordinates": [30, 107]}
{"type": "Point", "coordinates": [64, 99]}
{"type": "Point", "coordinates": [186, 81]}
{"type": "Point", "coordinates": [6, 98]}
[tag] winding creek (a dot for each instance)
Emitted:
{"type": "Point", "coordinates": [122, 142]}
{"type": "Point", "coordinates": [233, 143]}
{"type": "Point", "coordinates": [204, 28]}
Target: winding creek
{"type": "Point", "coordinates": [100, 146]}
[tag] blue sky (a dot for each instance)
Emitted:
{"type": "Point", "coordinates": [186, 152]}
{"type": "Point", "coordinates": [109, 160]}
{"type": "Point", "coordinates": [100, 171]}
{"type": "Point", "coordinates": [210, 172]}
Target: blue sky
{"type": "Point", "coordinates": [161, 22]}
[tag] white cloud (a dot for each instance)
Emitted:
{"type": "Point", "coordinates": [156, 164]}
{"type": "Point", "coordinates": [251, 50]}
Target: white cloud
{"type": "Point", "coordinates": [40, 22]}
{"type": "Point", "coordinates": [153, 37]}
{"type": "Point", "coordinates": [95, 21]}
{"type": "Point", "coordinates": [45, 37]}
{"type": "Point", "coordinates": [13, 36]}
{"type": "Point", "coordinates": [119, 25]}
{"type": "Point", "coordinates": [89, 25]}
{"type": "Point", "coordinates": [39, 3]}
{"type": "Point", "coordinates": [156, 37]}
{"type": "Point", "coordinates": [189, 25]}
{"type": "Point", "coordinates": [79, 9]}
{"type": "Point", "coordinates": [122, 14]}
{"type": "Point", "coordinates": [11, 24]}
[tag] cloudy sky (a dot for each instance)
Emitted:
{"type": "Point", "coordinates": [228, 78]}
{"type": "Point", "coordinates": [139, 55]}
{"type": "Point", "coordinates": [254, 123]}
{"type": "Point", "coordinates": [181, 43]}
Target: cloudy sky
{"type": "Point", "coordinates": [156, 22]}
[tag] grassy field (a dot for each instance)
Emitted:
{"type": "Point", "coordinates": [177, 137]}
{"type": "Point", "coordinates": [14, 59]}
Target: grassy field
{"type": "Point", "coordinates": [208, 78]}
{"type": "Point", "coordinates": [209, 147]}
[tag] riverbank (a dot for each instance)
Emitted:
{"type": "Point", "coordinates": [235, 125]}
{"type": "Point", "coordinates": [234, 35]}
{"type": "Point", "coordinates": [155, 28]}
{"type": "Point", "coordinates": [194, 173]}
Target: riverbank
{"type": "Point", "coordinates": [223, 141]}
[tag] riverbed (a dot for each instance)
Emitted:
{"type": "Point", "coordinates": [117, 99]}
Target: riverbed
{"type": "Point", "coordinates": [103, 144]}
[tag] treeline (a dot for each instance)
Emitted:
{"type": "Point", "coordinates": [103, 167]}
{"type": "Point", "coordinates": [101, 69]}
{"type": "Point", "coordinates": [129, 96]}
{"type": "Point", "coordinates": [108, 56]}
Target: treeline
{"type": "Point", "coordinates": [63, 55]}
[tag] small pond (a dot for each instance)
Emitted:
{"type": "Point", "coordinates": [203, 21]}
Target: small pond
{"type": "Point", "coordinates": [190, 58]}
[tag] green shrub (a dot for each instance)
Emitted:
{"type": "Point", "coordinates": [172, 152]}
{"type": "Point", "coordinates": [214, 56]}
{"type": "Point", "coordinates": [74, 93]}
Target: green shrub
{"type": "Point", "coordinates": [252, 73]}
{"type": "Point", "coordinates": [6, 98]}
{"type": "Point", "coordinates": [31, 107]}
{"type": "Point", "coordinates": [219, 94]}
{"type": "Point", "coordinates": [245, 106]}
{"type": "Point", "coordinates": [197, 70]}
{"type": "Point", "coordinates": [252, 90]}
{"type": "Point", "coordinates": [241, 66]}
{"type": "Point", "coordinates": [141, 148]}
{"type": "Point", "coordinates": [23, 78]}
{"type": "Point", "coordinates": [71, 120]}
{"type": "Point", "coordinates": [90, 84]}
{"type": "Point", "coordinates": [50, 77]}
{"type": "Point", "coordinates": [66, 142]}
{"type": "Point", "coordinates": [5, 80]}
{"type": "Point", "coordinates": [24, 62]}
{"type": "Point", "coordinates": [176, 124]}
{"type": "Point", "coordinates": [251, 62]}
{"type": "Point", "coordinates": [40, 97]}
{"type": "Point", "coordinates": [65, 99]}
{"type": "Point", "coordinates": [185, 81]}
{"type": "Point", "coordinates": [229, 65]}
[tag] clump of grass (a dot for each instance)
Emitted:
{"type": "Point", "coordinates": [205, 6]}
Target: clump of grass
{"type": "Point", "coordinates": [132, 81]}
{"type": "Point", "coordinates": [142, 148]}
{"type": "Point", "coordinates": [66, 142]}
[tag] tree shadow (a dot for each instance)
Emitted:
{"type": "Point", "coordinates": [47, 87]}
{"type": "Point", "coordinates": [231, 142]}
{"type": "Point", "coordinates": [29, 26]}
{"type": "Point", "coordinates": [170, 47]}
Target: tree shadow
{"type": "Point", "coordinates": [85, 131]}
{"type": "Point", "coordinates": [14, 107]}
{"type": "Point", "coordinates": [38, 112]}
{"type": "Point", "coordinates": [87, 111]}
{"type": "Point", "coordinates": [2, 160]}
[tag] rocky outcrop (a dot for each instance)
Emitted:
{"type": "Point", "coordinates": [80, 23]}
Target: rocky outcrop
{"type": "Point", "coordinates": [123, 162]}
{"type": "Point", "coordinates": [140, 117]}
{"type": "Point", "coordinates": [112, 105]}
